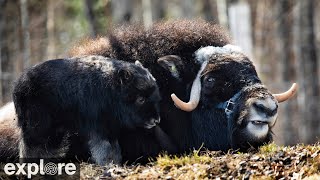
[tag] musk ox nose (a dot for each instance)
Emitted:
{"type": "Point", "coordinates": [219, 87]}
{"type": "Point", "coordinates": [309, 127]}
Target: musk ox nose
{"type": "Point", "coordinates": [262, 116]}
{"type": "Point", "coordinates": [266, 108]}
{"type": "Point", "coordinates": [157, 120]}
{"type": "Point", "coordinates": [264, 111]}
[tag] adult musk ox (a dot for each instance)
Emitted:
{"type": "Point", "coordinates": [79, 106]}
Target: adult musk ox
{"type": "Point", "coordinates": [229, 107]}
{"type": "Point", "coordinates": [69, 107]}
{"type": "Point", "coordinates": [9, 134]}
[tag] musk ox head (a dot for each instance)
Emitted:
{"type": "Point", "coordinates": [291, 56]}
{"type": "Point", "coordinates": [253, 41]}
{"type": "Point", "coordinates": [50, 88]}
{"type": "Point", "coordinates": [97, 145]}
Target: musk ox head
{"type": "Point", "coordinates": [227, 85]}
{"type": "Point", "coordinates": [140, 96]}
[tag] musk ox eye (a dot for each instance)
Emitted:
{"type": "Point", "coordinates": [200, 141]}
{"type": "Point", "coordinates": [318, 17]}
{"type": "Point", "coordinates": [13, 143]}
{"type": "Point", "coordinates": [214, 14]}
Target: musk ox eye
{"type": "Point", "coordinates": [140, 100]}
{"type": "Point", "coordinates": [210, 79]}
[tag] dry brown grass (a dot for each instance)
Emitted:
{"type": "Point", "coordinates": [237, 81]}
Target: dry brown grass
{"type": "Point", "coordinates": [270, 162]}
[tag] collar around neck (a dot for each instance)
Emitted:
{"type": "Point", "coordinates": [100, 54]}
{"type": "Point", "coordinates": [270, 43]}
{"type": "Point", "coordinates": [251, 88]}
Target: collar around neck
{"type": "Point", "coordinates": [229, 105]}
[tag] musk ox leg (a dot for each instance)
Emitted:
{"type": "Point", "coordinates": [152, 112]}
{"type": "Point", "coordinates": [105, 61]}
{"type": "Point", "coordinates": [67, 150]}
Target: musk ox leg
{"type": "Point", "coordinates": [41, 136]}
{"type": "Point", "coordinates": [44, 134]}
{"type": "Point", "coordinates": [57, 148]}
{"type": "Point", "coordinates": [104, 151]}
{"type": "Point", "coordinates": [165, 141]}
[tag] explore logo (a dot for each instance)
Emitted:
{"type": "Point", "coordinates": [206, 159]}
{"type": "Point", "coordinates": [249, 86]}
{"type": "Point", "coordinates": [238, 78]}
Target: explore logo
{"type": "Point", "coordinates": [41, 168]}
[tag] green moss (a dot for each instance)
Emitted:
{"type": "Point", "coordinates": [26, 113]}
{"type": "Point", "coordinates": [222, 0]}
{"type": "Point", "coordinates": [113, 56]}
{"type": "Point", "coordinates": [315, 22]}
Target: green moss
{"type": "Point", "coordinates": [166, 160]}
{"type": "Point", "coordinates": [269, 148]}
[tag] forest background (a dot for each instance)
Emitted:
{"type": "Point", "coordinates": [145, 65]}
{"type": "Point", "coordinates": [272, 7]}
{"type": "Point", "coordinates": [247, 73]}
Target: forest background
{"type": "Point", "coordinates": [282, 37]}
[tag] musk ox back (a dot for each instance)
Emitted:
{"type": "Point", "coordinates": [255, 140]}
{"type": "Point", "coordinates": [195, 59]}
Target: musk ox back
{"type": "Point", "coordinates": [79, 107]}
{"type": "Point", "coordinates": [228, 105]}
{"type": "Point", "coordinates": [180, 38]}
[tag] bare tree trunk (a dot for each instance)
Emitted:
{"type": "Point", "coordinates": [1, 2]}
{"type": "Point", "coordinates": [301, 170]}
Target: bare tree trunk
{"type": "Point", "coordinates": [188, 7]}
{"type": "Point", "coordinates": [264, 43]}
{"type": "Point", "coordinates": [93, 26]}
{"type": "Point", "coordinates": [317, 39]}
{"type": "Point", "coordinates": [50, 30]}
{"type": "Point", "coordinates": [222, 12]}
{"type": "Point", "coordinates": [147, 13]}
{"type": "Point", "coordinates": [25, 31]}
{"type": "Point", "coordinates": [287, 63]}
{"type": "Point", "coordinates": [136, 10]}
{"type": "Point", "coordinates": [10, 38]}
{"type": "Point", "coordinates": [210, 10]}
{"type": "Point", "coordinates": [158, 10]}
{"type": "Point", "coordinates": [108, 14]}
{"type": "Point", "coordinates": [121, 11]}
{"type": "Point", "coordinates": [253, 9]}
{"type": "Point", "coordinates": [258, 39]}
{"type": "Point", "coordinates": [240, 26]}
{"type": "Point", "coordinates": [16, 50]}
{"type": "Point", "coordinates": [309, 87]}
{"type": "Point", "coordinates": [2, 3]}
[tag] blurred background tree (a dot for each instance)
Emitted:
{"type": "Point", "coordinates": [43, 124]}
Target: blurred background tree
{"type": "Point", "coordinates": [281, 36]}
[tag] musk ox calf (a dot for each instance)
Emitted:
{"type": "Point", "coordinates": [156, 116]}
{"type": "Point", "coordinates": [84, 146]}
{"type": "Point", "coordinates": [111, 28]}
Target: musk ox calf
{"type": "Point", "coordinates": [228, 106]}
{"type": "Point", "coordinates": [79, 107]}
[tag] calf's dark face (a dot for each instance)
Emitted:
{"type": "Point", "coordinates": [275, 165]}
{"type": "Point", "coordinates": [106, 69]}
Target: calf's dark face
{"type": "Point", "coordinates": [139, 97]}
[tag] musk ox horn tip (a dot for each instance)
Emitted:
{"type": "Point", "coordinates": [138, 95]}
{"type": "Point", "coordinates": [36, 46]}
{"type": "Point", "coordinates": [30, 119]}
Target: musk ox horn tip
{"type": "Point", "coordinates": [194, 94]}
{"type": "Point", "coordinates": [190, 106]}
{"type": "Point", "coordinates": [288, 94]}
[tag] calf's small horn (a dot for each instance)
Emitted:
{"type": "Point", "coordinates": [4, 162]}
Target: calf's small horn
{"type": "Point", "coordinates": [286, 95]}
{"type": "Point", "coordinates": [194, 94]}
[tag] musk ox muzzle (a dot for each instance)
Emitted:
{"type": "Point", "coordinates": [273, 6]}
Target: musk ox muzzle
{"type": "Point", "coordinates": [254, 113]}
{"type": "Point", "coordinates": [202, 56]}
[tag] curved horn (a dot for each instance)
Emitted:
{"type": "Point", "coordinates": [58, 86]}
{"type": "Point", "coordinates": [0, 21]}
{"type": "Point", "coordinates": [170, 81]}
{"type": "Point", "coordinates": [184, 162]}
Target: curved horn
{"type": "Point", "coordinates": [194, 94]}
{"type": "Point", "coordinates": [286, 95]}
{"type": "Point", "coordinates": [194, 97]}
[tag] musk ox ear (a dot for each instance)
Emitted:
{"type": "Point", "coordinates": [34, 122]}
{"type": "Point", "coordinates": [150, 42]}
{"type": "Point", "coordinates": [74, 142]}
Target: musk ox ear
{"type": "Point", "coordinates": [171, 63]}
{"type": "Point", "coordinates": [124, 75]}
{"type": "Point", "coordinates": [138, 63]}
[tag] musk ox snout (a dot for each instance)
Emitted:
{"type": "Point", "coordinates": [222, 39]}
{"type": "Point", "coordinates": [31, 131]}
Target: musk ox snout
{"type": "Point", "coordinates": [152, 123]}
{"type": "Point", "coordinates": [262, 115]}
{"type": "Point", "coordinates": [267, 107]}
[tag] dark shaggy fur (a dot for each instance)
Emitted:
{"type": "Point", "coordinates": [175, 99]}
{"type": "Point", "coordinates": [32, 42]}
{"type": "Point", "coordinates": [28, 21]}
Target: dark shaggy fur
{"type": "Point", "coordinates": [221, 80]}
{"type": "Point", "coordinates": [206, 124]}
{"type": "Point", "coordinates": [223, 77]}
{"type": "Point", "coordinates": [180, 38]}
{"type": "Point", "coordinates": [9, 134]}
{"type": "Point", "coordinates": [69, 107]}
